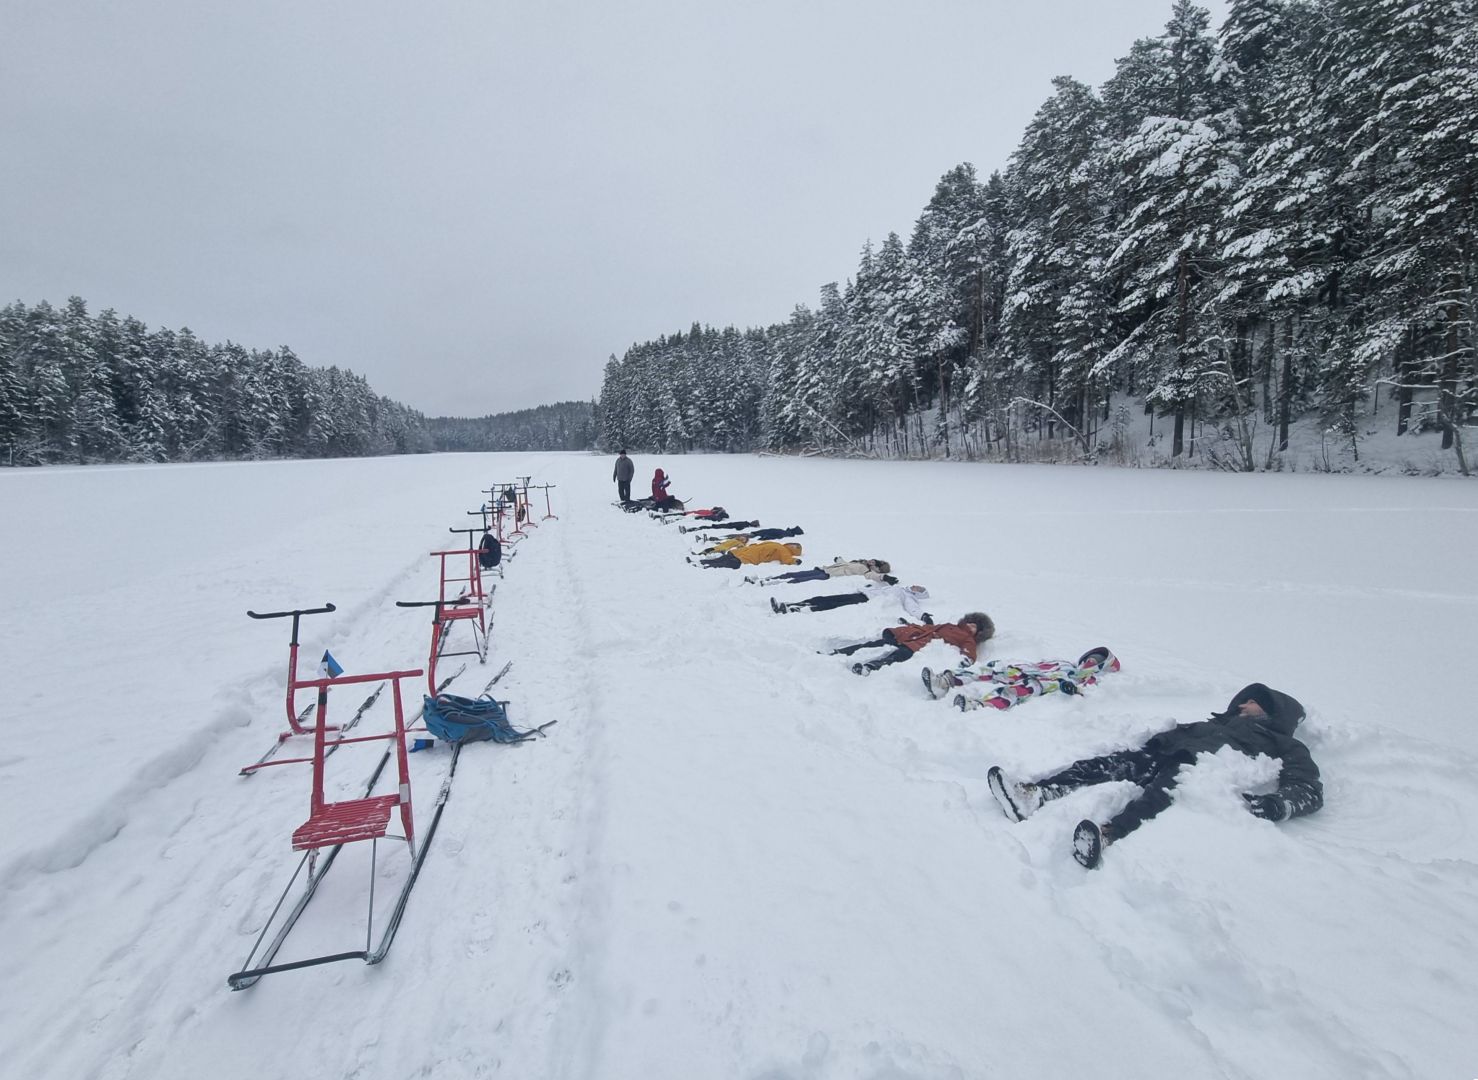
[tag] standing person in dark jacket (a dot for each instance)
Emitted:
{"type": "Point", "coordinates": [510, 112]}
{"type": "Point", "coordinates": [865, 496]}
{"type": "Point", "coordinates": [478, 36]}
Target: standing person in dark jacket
{"type": "Point", "coordinates": [625, 469]}
{"type": "Point", "coordinates": [1258, 720]}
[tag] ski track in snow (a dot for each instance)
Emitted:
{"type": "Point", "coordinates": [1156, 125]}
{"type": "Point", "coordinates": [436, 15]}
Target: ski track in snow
{"type": "Point", "coordinates": [109, 817]}
{"type": "Point", "coordinates": [730, 857]}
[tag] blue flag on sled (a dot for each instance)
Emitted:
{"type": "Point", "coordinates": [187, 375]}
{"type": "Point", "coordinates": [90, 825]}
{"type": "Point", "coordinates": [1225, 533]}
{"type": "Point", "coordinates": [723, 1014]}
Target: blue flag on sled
{"type": "Point", "coordinates": [329, 667]}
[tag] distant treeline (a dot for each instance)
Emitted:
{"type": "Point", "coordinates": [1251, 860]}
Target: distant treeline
{"type": "Point", "coordinates": [81, 388]}
{"type": "Point", "coordinates": [566, 425]}
{"type": "Point", "coordinates": [1240, 228]}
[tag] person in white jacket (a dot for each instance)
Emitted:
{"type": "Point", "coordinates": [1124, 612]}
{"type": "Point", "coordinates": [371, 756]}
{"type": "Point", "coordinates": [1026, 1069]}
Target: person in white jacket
{"type": "Point", "coordinates": [872, 569]}
{"type": "Point", "coordinates": [910, 597]}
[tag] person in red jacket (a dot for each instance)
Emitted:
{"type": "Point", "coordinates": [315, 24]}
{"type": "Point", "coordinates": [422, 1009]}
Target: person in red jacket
{"type": "Point", "coordinates": [973, 629]}
{"type": "Point", "coordinates": [660, 499]}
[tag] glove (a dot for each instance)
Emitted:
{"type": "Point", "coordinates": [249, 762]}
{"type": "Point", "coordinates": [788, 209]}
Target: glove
{"type": "Point", "coordinates": [928, 619]}
{"type": "Point", "coordinates": [1267, 807]}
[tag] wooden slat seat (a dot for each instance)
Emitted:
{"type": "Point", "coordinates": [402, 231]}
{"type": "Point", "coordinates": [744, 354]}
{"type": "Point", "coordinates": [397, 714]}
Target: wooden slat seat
{"type": "Point", "coordinates": [449, 613]}
{"type": "Point", "coordinates": [345, 822]}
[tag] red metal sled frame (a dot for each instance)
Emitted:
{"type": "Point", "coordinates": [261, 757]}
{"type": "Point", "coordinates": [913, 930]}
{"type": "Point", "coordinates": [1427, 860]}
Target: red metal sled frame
{"type": "Point", "coordinates": [294, 722]}
{"type": "Point", "coordinates": [521, 522]}
{"type": "Point", "coordinates": [467, 607]}
{"type": "Point", "coordinates": [332, 823]}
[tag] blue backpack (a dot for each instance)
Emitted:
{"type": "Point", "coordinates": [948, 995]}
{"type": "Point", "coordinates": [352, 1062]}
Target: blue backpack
{"type": "Point", "coordinates": [462, 720]}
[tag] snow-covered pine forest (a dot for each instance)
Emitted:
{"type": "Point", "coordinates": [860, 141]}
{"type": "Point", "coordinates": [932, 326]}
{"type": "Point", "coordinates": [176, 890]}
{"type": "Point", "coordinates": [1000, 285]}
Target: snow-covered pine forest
{"type": "Point", "coordinates": [565, 425]}
{"type": "Point", "coordinates": [77, 388]}
{"type": "Point", "coordinates": [1271, 222]}
{"type": "Point", "coordinates": [81, 388]}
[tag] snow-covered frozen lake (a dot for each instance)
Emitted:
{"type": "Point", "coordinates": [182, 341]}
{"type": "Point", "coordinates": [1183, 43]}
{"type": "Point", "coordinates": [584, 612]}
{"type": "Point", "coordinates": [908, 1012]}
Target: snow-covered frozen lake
{"type": "Point", "coordinates": [731, 857]}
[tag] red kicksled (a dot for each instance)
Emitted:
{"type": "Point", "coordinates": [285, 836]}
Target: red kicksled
{"type": "Point", "coordinates": [469, 607]}
{"type": "Point", "coordinates": [297, 722]}
{"type": "Point", "coordinates": [366, 818]}
{"type": "Point", "coordinates": [331, 824]}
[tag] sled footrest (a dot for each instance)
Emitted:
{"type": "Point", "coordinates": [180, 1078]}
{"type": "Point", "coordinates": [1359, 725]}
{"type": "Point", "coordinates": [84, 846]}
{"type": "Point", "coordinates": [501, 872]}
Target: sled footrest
{"type": "Point", "coordinates": [346, 822]}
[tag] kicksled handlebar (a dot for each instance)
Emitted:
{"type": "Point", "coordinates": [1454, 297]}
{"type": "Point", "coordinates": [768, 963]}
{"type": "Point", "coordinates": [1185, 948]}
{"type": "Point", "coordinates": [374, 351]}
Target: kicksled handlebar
{"type": "Point", "coordinates": [300, 611]}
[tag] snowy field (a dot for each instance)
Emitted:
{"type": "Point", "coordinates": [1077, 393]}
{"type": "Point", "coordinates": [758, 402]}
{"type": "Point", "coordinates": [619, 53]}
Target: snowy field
{"type": "Point", "coordinates": [731, 857]}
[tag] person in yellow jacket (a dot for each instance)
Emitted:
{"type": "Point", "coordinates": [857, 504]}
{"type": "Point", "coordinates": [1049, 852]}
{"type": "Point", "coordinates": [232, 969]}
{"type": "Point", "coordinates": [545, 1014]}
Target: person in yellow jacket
{"type": "Point", "coordinates": [720, 544]}
{"type": "Point", "coordinates": [766, 551]}
{"type": "Point", "coordinates": [725, 546]}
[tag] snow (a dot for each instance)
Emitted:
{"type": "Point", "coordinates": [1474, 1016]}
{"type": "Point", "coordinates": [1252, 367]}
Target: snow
{"type": "Point", "coordinates": [732, 857]}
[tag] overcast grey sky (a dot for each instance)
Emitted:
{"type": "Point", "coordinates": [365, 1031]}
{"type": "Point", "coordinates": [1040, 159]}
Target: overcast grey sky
{"type": "Point", "coordinates": [474, 203]}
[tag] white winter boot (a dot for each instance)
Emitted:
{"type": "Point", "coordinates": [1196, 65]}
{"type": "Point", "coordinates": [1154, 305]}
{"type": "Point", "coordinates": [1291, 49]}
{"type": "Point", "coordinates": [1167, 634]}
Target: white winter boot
{"type": "Point", "coordinates": [1019, 800]}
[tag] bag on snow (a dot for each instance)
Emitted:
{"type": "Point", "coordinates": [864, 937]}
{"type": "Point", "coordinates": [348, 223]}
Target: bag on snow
{"type": "Point", "coordinates": [462, 720]}
{"type": "Point", "coordinates": [489, 552]}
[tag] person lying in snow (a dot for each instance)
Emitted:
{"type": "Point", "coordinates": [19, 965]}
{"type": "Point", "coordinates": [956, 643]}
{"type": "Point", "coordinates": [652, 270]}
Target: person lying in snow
{"type": "Point", "coordinates": [753, 555]}
{"type": "Point", "coordinates": [710, 515]}
{"type": "Point", "coordinates": [710, 525]}
{"type": "Point", "coordinates": [1258, 720]}
{"type": "Point", "coordinates": [719, 545]}
{"type": "Point", "coordinates": [1000, 684]}
{"type": "Point", "coordinates": [974, 628]}
{"type": "Point", "coordinates": [909, 597]}
{"type": "Point", "coordinates": [872, 569]}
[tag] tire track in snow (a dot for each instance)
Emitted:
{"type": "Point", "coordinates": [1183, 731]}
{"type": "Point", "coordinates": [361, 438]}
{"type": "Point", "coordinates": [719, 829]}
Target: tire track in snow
{"type": "Point", "coordinates": [562, 682]}
{"type": "Point", "coordinates": [153, 847]}
{"type": "Point", "coordinates": [110, 816]}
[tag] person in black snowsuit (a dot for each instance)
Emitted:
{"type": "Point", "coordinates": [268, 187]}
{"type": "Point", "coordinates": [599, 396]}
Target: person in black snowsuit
{"type": "Point", "coordinates": [1258, 720]}
{"type": "Point", "coordinates": [720, 544]}
{"type": "Point", "coordinates": [736, 526]}
{"type": "Point", "coordinates": [623, 472]}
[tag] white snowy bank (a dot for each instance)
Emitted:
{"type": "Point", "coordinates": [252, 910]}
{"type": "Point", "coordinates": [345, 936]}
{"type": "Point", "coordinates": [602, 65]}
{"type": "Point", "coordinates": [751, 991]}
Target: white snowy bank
{"type": "Point", "coordinates": [732, 857]}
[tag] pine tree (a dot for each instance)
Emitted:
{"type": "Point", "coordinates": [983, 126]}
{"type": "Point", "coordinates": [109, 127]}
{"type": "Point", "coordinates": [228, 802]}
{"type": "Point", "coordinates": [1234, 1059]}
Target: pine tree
{"type": "Point", "coordinates": [1055, 312]}
{"type": "Point", "coordinates": [1178, 171]}
{"type": "Point", "coordinates": [1290, 236]}
{"type": "Point", "coordinates": [15, 388]}
{"type": "Point", "coordinates": [1424, 205]}
{"type": "Point", "coordinates": [48, 436]}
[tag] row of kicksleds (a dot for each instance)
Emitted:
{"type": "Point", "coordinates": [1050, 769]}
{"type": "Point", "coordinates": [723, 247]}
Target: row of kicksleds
{"type": "Point", "coordinates": [348, 817]}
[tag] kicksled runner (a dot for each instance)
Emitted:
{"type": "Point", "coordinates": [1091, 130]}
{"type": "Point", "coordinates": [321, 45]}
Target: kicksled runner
{"type": "Point", "coordinates": [379, 808]}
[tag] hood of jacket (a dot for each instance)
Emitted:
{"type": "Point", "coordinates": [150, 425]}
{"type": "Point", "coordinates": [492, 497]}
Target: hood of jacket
{"type": "Point", "coordinates": [1284, 711]}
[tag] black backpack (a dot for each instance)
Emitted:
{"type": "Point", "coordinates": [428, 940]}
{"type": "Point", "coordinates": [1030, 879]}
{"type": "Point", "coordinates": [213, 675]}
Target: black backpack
{"type": "Point", "coordinates": [489, 552]}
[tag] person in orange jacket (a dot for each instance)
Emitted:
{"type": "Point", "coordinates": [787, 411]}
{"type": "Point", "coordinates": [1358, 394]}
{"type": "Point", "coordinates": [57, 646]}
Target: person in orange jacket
{"type": "Point", "coordinates": [973, 629]}
{"type": "Point", "coordinates": [753, 554]}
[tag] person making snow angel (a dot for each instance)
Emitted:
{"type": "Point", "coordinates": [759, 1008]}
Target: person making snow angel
{"type": "Point", "coordinates": [1258, 720]}
{"type": "Point", "coordinates": [718, 546]}
{"type": "Point", "coordinates": [973, 629]}
{"type": "Point", "coordinates": [909, 597]}
{"type": "Point", "coordinates": [1002, 684]}
{"type": "Point", "coordinates": [872, 569]}
{"type": "Point", "coordinates": [753, 555]}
